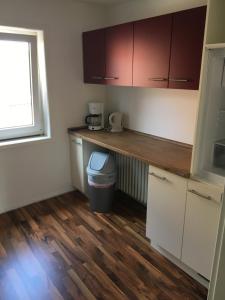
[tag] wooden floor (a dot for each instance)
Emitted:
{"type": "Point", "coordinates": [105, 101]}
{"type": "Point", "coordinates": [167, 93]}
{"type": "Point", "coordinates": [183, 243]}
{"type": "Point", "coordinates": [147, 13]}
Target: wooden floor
{"type": "Point", "coordinates": [58, 249]}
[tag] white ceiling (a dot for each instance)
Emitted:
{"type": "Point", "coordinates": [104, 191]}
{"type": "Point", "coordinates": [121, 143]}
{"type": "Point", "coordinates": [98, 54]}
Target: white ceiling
{"type": "Point", "coordinates": [105, 1]}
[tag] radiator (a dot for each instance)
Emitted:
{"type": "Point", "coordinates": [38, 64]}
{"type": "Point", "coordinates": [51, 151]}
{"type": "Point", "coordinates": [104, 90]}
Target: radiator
{"type": "Point", "coordinates": [132, 177]}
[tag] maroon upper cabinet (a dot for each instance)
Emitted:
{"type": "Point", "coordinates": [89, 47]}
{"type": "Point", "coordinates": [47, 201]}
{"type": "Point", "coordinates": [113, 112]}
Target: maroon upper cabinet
{"type": "Point", "coordinates": [163, 52]}
{"type": "Point", "coordinates": [186, 48]}
{"type": "Point", "coordinates": [94, 56]}
{"type": "Point", "coordinates": [152, 40]}
{"type": "Point", "coordinates": [119, 54]}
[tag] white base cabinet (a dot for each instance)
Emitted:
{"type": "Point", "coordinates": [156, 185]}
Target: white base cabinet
{"type": "Point", "coordinates": [183, 217]}
{"type": "Point", "coordinates": [77, 165]}
{"type": "Point", "coordinates": [80, 152]}
{"type": "Point", "coordinates": [201, 226]}
{"type": "Point", "coordinates": [166, 209]}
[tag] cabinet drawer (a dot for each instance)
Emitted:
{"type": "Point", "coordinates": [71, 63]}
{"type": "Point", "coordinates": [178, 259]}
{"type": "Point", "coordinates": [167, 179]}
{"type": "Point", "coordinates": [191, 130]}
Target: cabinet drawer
{"type": "Point", "coordinates": [200, 228]}
{"type": "Point", "coordinates": [205, 190]}
{"type": "Point", "coordinates": [76, 140]}
{"type": "Point", "coordinates": [165, 175]}
{"type": "Point", "coordinates": [165, 209]}
{"type": "Point", "coordinates": [77, 165]}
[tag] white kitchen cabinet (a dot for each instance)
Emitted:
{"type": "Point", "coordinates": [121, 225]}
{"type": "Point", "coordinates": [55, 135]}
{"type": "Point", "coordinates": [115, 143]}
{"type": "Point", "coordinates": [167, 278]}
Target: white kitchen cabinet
{"type": "Point", "coordinates": [166, 210]}
{"type": "Point", "coordinates": [77, 165]}
{"type": "Point", "coordinates": [201, 226]}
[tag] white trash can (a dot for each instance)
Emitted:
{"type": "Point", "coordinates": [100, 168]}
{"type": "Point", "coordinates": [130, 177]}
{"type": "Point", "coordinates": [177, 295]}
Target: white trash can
{"type": "Point", "coordinates": [101, 172]}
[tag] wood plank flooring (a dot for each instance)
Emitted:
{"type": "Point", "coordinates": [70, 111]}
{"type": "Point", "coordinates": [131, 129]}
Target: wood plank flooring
{"type": "Point", "coordinates": [58, 249]}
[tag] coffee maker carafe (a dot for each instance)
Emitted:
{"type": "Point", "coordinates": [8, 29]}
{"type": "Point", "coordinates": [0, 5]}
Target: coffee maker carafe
{"type": "Point", "coordinates": [95, 119]}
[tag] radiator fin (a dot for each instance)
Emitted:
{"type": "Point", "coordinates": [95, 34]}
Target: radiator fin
{"type": "Point", "coordinates": [132, 177]}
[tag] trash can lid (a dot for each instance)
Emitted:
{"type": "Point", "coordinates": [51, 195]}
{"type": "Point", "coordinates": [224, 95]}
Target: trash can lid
{"type": "Point", "coordinates": [98, 161]}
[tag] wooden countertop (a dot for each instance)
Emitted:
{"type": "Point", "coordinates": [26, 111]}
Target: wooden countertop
{"type": "Point", "coordinates": [166, 154]}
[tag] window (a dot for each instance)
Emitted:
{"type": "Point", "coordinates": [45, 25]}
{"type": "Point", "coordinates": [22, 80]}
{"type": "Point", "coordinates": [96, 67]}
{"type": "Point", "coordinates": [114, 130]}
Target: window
{"type": "Point", "coordinates": [23, 94]}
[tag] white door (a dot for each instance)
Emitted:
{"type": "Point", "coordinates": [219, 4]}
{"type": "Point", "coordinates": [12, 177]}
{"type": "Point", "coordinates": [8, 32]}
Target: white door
{"type": "Point", "coordinates": [201, 226]}
{"type": "Point", "coordinates": [166, 209]}
{"type": "Point", "coordinates": [77, 166]}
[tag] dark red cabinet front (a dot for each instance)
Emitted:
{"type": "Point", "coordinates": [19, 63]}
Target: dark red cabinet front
{"type": "Point", "coordinates": [108, 55]}
{"type": "Point", "coordinates": [94, 56]}
{"type": "Point", "coordinates": [161, 52]}
{"type": "Point", "coordinates": [152, 40]}
{"type": "Point", "coordinates": [119, 54]}
{"type": "Point", "coordinates": [186, 48]}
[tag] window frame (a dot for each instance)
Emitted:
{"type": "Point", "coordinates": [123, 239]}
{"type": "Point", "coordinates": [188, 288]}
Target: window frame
{"type": "Point", "coordinates": [41, 126]}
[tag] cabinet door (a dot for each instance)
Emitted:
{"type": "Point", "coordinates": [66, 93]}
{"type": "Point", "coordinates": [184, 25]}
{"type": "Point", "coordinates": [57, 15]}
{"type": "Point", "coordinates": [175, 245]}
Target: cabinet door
{"type": "Point", "coordinates": [119, 54]}
{"type": "Point", "coordinates": [152, 41]}
{"type": "Point", "coordinates": [200, 229]}
{"type": "Point", "coordinates": [94, 56]}
{"type": "Point", "coordinates": [186, 49]}
{"type": "Point", "coordinates": [166, 209]}
{"type": "Point", "coordinates": [77, 166]}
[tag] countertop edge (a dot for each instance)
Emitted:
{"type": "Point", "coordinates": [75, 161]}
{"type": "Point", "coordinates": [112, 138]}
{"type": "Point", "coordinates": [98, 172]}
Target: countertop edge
{"type": "Point", "coordinates": [75, 131]}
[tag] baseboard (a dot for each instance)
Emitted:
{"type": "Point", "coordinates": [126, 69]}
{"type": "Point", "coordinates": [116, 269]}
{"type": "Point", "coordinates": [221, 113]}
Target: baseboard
{"type": "Point", "coordinates": [38, 198]}
{"type": "Point", "coordinates": [181, 265]}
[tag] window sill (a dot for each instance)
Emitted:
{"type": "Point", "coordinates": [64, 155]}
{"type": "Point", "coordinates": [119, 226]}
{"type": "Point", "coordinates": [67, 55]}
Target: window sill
{"type": "Point", "coordinates": [23, 141]}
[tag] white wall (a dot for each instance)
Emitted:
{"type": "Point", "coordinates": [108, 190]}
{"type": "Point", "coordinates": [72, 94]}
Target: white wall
{"type": "Point", "coordinates": [161, 112]}
{"type": "Point", "coordinates": [33, 172]}
{"type": "Point", "coordinates": [215, 30]}
{"type": "Point", "coordinates": [167, 113]}
{"type": "Point", "coordinates": [140, 9]}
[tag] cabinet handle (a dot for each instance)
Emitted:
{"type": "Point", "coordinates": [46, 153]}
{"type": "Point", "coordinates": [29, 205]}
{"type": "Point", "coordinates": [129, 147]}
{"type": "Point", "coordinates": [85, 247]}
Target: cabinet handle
{"type": "Point", "coordinates": [111, 78]}
{"type": "Point", "coordinates": [201, 195]}
{"type": "Point", "coordinates": [179, 80]}
{"type": "Point", "coordinates": [159, 177]}
{"type": "Point", "coordinates": [77, 143]}
{"type": "Point", "coordinates": [97, 77]}
{"type": "Point", "coordinates": [158, 79]}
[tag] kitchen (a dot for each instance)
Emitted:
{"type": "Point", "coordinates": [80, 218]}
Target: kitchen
{"type": "Point", "coordinates": [163, 112]}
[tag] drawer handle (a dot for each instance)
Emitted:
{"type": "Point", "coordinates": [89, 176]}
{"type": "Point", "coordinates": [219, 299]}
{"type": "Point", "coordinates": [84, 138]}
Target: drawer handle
{"type": "Point", "coordinates": [111, 78]}
{"type": "Point", "coordinates": [158, 79]}
{"type": "Point", "coordinates": [159, 177]}
{"type": "Point", "coordinates": [179, 80]}
{"type": "Point", "coordinates": [97, 77]}
{"type": "Point", "coordinates": [77, 143]}
{"type": "Point", "coordinates": [201, 195]}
